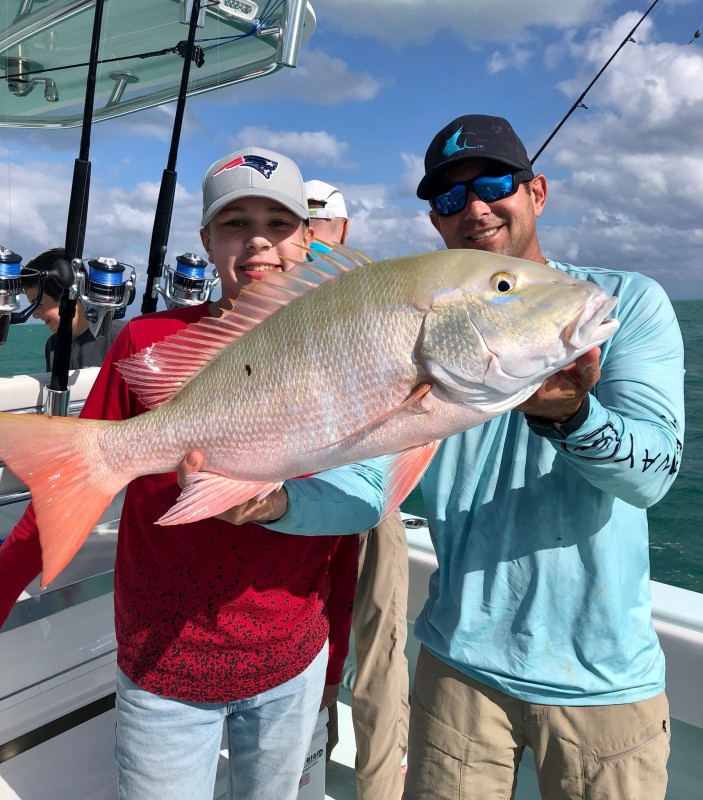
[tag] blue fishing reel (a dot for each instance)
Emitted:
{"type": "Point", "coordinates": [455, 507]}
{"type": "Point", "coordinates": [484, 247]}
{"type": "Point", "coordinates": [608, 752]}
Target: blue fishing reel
{"type": "Point", "coordinates": [186, 285]}
{"type": "Point", "coordinates": [11, 287]}
{"type": "Point", "coordinates": [10, 265]}
{"type": "Point", "coordinates": [105, 292]}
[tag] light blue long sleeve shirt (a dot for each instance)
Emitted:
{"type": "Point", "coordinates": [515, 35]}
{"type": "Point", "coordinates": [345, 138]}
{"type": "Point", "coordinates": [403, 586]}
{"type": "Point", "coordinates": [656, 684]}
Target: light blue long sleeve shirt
{"type": "Point", "coordinates": [542, 590]}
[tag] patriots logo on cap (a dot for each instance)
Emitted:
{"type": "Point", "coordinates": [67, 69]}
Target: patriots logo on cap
{"type": "Point", "coordinates": [263, 165]}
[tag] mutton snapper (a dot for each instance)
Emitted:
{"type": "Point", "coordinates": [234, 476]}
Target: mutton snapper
{"type": "Point", "coordinates": [386, 358]}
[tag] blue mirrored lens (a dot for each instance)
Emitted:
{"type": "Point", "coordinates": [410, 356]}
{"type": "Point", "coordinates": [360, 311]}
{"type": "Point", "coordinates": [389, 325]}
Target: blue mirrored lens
{"type": "Point", "coordinates": [487, 188]}
{"type": "Point", "coordinates": [451, 202]}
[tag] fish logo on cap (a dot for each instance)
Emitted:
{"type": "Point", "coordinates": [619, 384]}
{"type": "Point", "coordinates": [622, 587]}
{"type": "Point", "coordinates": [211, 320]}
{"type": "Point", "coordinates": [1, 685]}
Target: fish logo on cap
{"type": "Point", "coordinates": [265, 166]}
{"type": "Point", "coordinates": [452, 144]}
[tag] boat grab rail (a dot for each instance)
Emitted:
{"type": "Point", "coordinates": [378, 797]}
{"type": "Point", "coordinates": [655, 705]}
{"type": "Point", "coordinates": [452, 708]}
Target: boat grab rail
{"type": "Point", "coordinates": [50, 602]}
{"type": "Point", "coordinates": [13, 497]}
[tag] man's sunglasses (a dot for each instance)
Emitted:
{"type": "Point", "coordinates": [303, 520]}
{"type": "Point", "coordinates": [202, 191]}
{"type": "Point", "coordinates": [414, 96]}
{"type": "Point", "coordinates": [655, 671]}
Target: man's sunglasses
{"type": "Point", "coordinates": [488, 189]}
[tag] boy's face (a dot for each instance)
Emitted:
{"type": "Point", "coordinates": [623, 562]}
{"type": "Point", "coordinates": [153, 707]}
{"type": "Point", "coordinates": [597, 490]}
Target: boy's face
{"type": "Point", "coordinates": [250, 237]}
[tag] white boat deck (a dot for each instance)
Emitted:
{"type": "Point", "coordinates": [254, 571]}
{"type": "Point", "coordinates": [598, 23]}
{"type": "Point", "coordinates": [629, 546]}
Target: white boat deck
{"type": "Point", "coordinates": [54, 665]}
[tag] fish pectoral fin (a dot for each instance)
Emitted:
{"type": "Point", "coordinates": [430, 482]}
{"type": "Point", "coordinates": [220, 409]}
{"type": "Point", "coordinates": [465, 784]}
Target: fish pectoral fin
{"type": "Point", "coordinates": [413, 403]}
{"type": "Point", "coordinates": [404, 472]}
{"type": "Point", "coordinates": [206, 495]}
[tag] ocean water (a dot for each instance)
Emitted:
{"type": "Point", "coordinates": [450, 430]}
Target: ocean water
{"type": "Point", "coordinates": [676, 522]}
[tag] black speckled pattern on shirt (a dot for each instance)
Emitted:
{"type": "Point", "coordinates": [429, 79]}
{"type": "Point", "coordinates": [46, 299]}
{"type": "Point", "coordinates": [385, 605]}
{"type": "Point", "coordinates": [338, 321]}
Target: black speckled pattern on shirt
{"type": "Point", "coordinates": [213, 612]}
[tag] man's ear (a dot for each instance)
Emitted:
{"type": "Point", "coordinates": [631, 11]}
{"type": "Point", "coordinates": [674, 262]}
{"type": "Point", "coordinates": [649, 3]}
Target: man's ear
{"type": "Point", "coordinates": [539, 193]}
{"type": "Point", "coordinates": [434, 219]}
{"type": "Point", "coordinates": [345, 232]}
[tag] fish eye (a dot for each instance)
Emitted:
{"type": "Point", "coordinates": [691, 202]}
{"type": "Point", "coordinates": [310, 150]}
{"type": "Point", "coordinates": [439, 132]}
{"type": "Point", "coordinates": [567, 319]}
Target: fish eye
{"type": "Point", "coordinates": [503, 282]}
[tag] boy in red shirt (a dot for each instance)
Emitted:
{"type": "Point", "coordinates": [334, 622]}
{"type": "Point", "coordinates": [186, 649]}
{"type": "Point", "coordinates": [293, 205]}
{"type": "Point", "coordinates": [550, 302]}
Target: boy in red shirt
{"type": "Point", "coordinates": [215, 622]}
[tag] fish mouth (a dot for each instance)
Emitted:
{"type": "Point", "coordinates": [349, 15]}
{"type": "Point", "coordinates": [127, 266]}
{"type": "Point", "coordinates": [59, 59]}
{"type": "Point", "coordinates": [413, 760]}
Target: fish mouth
{"type": "Point", "coordinates": [592, 326]}
{"type": "Point", "coordinates": [589, 329]}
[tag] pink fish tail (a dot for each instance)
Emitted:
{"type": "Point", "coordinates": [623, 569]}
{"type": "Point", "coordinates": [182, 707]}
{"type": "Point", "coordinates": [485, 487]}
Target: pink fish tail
{"type": "Point", "coordinates": [44, 453]}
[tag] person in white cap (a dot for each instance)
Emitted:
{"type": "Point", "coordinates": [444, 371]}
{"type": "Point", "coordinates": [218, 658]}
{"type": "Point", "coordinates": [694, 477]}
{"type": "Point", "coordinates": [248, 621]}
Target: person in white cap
{"type": "Point", "coordinates": [215, 623]}
{"type": "Point", "coordinates": [380, 709]}
{"type": "Point", "coordinates": [328, 213]}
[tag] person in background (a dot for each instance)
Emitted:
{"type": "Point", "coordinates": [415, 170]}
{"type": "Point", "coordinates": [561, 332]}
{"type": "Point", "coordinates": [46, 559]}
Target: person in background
{"type": "Point", "coordinates": [215, 622]}
{"type": "Point", "coordinates": [328, 218]}
{"type": "Point", "coordinates": [86, 350]}
{"type": "Point", "coordinates": [380, 707]}
{"type": "Point", "coordinates": [328, 215]}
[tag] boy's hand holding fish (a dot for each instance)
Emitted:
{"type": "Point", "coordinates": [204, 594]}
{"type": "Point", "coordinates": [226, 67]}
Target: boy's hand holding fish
{"type": "Point", "coordinates": [268, 509]}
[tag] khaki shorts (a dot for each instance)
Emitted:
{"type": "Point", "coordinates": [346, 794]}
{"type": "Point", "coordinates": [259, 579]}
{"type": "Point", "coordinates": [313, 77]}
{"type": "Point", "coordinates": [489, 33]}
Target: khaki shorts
{"type": "Point", "coordinates": [467, 739]}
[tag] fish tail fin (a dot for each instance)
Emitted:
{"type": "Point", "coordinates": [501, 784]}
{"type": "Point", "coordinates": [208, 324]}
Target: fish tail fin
{"type": "Point", "coordinates": [52, 456]}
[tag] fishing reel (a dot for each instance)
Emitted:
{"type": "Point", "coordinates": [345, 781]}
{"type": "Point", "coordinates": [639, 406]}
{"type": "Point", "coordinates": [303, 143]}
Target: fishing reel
{"type": "Point", "coordinates": [11, 288]}
{"type": "Point", "coordinates": [186, 285]}
{"type": "Point", "coordinates": [104, 292]}
{"type": "Point", "coordinates": [10, 265]}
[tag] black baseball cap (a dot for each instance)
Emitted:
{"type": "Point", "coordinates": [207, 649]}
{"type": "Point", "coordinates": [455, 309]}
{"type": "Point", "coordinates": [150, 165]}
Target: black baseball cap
{"type": "Point", "coordinates": [468, 137]}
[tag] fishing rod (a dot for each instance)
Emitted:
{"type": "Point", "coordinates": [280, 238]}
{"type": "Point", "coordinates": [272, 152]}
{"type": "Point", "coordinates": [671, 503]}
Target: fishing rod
{"type": "Point", "coordinates": [187, 284]}
{"type": "Point", "coordinates": [100, 287]}
{"type": "Point", "coordinates": [58, 395]}
{"type": "Point", "coordinates": [579, 102]}
{"type": "Point", "coordinates": [167, 190]}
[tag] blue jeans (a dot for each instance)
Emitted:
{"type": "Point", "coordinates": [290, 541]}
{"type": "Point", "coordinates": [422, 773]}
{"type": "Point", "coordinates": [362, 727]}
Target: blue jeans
{"type": "Point", "coordinates": [167, 748]}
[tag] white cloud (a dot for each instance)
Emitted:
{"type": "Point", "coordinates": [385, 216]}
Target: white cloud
{"type": "Point", "coordinates": [152, 123]}
{"type": "Point", "coordinates": [382, 229]}
{"type": "Point", "coordinates": [399, 22]}
{"type": "Point", "coordinates": [500, 60]}
{"type": "Point", "coordinates": [632, 163]}
{"type": "Point", "coordinates": [413, 170]}
{"type": "Point", "coordinates": [33, 210]}
{"type": "Point", "coordinates": [304, 147]}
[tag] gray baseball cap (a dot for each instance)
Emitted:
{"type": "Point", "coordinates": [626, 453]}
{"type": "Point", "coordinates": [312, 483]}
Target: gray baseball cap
{"type": "Point", "coordinates": [253, 172]}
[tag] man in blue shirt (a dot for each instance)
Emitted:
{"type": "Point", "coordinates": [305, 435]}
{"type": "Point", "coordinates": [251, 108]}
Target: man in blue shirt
{"type": "Point", "coordinates": [537, 631]}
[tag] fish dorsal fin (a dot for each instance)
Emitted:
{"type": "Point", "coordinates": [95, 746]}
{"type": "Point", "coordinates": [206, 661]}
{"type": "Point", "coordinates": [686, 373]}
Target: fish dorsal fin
{"type": "Point", "coordinates": [158, 372]}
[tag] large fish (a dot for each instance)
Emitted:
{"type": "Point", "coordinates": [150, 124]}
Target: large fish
{"type": "Point", "coordinates": [385, 358]}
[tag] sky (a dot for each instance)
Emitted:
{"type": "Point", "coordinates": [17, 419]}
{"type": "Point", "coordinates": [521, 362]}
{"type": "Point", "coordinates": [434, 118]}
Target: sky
{"type": "Point", "coordinates": [372, 86]}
